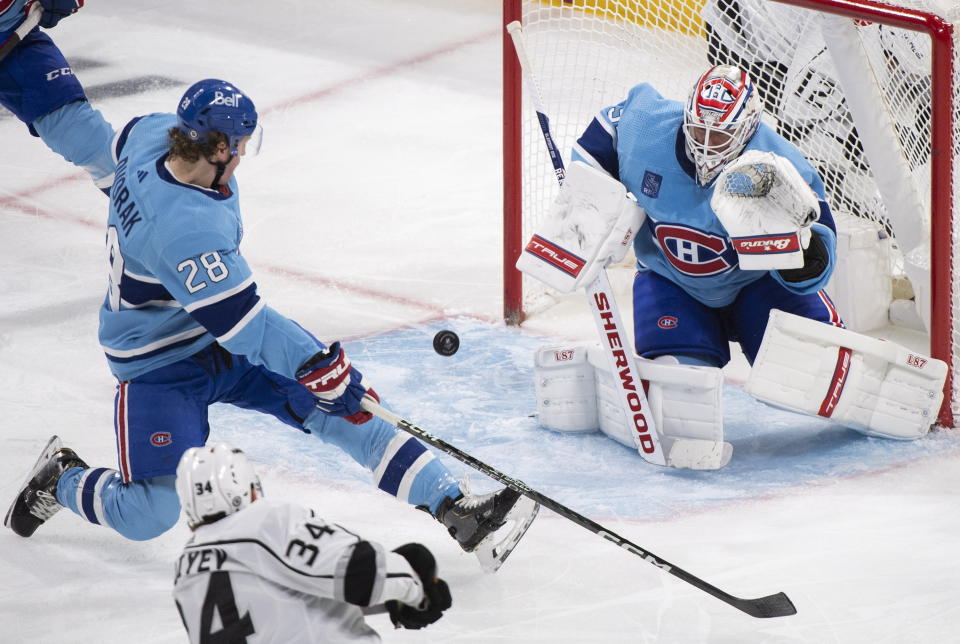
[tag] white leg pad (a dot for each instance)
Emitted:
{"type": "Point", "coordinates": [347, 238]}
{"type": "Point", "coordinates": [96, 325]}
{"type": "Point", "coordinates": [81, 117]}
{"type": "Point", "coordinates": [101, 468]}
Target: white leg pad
{"type": "Point", "coordinates": [575, 393]}
{"type": "Point", "coordinates": [686, 402]}
{"type": "Point", "coordinates": [873, 386]}
{"type": "Point", "coordinates": [566, 390]}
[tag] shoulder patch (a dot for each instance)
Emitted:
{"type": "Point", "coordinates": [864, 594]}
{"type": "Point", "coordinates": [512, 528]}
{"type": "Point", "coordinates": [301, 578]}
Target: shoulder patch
{"type": "Point", "coordinates": [651, 184]}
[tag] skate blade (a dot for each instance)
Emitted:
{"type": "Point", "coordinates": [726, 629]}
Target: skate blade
{"type": "Point", "coordinates": [496, 547]}
{"type": "Point", "coordinates": [52, 446]}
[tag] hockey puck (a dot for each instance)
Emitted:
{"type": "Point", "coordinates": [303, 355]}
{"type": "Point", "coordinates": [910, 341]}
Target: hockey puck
{"type": "Point", "coordinates": [446, 343]}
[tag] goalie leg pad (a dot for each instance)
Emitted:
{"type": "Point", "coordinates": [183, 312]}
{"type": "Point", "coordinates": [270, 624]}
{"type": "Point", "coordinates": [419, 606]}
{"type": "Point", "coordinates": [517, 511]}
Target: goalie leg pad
{"type": "Point", "coordinates": [566, 393]}
{"type": "Point", "coordinates": [686, 402]}
{"type": "Point", "coordinates": [872, 386]}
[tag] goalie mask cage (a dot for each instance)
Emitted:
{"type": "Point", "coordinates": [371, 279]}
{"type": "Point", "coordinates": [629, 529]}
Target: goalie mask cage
{"type": "Point", "coordinates": [867, 90]}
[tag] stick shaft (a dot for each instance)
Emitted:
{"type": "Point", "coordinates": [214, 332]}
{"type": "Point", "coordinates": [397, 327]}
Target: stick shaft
{"type": "Point", "coordinates": [603, 303]}
{"type": "Point", "coordinates": [772, 606]}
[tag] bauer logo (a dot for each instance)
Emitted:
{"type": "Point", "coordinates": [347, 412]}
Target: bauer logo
{"type": "Point", "coordinates": [651, 184]}
{"type": "Point", "coordinates": [554, 255]}
{"type": "Point", "coordinates": [766, 244]}
{"type": "Point", "coordinates": [161, 439]}
{"type": "Point", "coordinates": [668, 322]}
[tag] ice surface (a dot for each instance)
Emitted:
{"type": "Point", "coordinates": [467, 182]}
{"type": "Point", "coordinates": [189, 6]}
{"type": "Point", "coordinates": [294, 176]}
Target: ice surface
{"type": "Point", "coordinates": [372, 215]}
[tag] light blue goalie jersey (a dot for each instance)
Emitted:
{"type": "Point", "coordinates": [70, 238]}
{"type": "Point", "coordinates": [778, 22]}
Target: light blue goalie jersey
{"type": "Point", "coordinates": [640, 143]}
{"type": "Point", "coordinates": [177, 279]}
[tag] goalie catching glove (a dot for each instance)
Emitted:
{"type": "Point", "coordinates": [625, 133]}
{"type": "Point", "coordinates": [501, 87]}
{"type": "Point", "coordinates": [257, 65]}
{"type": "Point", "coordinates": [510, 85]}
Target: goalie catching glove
{"type": "Point", "coordinates": [436, 593]}
{"type": "Point", "coordinates": [767, 208]}
{"type": "Point", "coordinates": [590, 225]}
{"type": "Point", "coordinates": [338, 386]}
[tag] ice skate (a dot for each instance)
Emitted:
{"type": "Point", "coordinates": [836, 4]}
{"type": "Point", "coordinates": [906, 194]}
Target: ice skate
{"type": "Point", "coordinates": [478, 523]}
{"type": "Point", "coordinates": [36, 500]}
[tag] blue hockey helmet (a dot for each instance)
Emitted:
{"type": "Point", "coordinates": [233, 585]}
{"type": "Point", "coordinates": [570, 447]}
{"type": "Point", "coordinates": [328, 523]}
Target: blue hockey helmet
{"type": "Point", "coordinates": [214, 105]}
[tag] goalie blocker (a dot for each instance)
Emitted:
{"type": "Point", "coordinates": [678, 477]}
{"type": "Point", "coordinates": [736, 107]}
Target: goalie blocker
{"type": "Point", "coordinates": [873, 386]}
{"type": "Point", "coordinates": [591, 224]}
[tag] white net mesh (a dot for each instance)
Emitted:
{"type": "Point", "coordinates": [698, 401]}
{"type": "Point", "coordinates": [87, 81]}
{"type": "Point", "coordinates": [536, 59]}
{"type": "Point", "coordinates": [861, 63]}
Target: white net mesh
{"type": "Point", "coordinates": [821, 77]}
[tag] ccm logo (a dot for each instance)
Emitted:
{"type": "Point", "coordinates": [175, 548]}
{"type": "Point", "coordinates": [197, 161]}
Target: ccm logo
{"type": "Point", "coordinates": [916, 361]}
{"type": "Point", "coordinates": [668, 322]}
{"type": "Point", "coordinates": [563, 356]}
{"type": "Point", "coordinates": [57, 73]}
{"type": "Point", "coordinates": [628, 388]}
{"type": "Point", "coordinates": [761, 245]}
{"type": "Point", "coordinates": [161, 439]}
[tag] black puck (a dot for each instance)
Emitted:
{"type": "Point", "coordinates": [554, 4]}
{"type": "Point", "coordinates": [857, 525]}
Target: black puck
{"type": "Point", "coordinates": [446, 343]}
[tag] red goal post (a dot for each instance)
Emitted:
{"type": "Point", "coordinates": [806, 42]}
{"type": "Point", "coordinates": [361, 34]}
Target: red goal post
{"type": "Point", "coordinates": [866, 89]}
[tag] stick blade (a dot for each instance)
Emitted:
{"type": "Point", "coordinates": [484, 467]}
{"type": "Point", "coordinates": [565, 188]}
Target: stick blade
{"type": "Point", "coordinates": [778, 605]}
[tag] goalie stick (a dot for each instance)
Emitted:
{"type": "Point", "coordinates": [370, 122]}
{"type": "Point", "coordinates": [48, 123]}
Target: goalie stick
{"type": "Point", "coordinates": [31, 21]}
{"type": "Point", "coordinates": [603, 304]}
{"type": "Point", "coordinates": [777, 605]}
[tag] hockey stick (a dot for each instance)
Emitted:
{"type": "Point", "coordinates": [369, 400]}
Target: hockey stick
{"type": "Point", "coordinates": [778, 605]}
{"type": "Point", "coordinates": [603, 303]}
{"type": "Point", "coordinates": [31, 21]}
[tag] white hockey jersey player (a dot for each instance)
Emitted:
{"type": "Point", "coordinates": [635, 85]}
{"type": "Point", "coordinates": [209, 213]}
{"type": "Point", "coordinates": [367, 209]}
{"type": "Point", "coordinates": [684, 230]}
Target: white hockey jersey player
{"type": "Point", "coordinates": [277, 572]}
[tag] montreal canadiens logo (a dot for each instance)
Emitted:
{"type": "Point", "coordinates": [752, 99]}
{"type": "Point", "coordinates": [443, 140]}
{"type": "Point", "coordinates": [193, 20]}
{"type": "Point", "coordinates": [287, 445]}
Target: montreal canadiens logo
{"type": "Point", "coordinates": [668, 322]}
{"type": "Point", "coordinates": [717, 95]}
{"type": "Point", "coordinates": [694, 252]}
{"type": "Point", "coordinates": [161, 439]}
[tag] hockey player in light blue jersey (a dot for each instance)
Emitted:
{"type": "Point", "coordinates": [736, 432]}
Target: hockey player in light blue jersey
{"type": "Point", "coordinates": [183, 327]}
{"type": "Point", "coordinates": [37, 84]}
{"type": "Point", "coordinates": [691, 294]}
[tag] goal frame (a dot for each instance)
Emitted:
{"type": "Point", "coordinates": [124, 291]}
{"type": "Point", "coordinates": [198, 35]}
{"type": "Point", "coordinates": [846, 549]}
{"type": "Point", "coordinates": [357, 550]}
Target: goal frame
{"type": "Point", "coordinates": [940, 33]}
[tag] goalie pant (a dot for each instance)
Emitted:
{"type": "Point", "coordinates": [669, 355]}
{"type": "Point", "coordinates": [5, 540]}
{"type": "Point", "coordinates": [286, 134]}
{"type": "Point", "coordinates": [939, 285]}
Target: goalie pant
{"type": "Point", "coordinates": [278, 572]}
{"type": "Point", "coordinates": [37, 84]}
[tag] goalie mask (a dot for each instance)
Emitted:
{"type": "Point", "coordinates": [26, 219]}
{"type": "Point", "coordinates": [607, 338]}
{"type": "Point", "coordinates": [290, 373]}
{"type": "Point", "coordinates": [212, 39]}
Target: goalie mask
{"type": "Point", "coordinates": [215, 481]}
{"type": "Point", "coordinates": [722, 114]}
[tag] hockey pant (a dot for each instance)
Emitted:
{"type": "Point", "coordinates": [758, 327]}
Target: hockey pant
{"type": "Point", "coordinates": [164, 413]}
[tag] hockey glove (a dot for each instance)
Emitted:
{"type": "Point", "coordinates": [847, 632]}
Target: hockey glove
{"type": "Point", "coordinates": [339, 387]}
{"type": "Point", "coordinates": [436, 593]}
{"type": "Point", "coordinates": [56, 10]}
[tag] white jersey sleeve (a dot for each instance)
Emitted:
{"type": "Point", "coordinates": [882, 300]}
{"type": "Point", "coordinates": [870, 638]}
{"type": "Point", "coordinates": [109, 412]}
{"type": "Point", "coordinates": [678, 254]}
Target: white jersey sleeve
{"type": "Point", "coordinates": [279, 572]}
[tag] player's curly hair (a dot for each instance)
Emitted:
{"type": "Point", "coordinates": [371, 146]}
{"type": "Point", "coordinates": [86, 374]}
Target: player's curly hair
{"type": "Point", "coordinates": [183, 148]}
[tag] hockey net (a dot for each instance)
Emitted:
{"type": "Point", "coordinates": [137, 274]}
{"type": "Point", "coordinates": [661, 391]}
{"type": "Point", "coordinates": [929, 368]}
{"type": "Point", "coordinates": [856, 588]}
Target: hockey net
{"type": "Point", "coordinates": [867, 90]}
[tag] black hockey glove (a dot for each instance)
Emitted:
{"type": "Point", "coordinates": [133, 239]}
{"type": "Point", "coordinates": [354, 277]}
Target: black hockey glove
{"type": "Point", "coordinates": [436, 593]}
{"type": "Point", "coordinates": [816, 257]}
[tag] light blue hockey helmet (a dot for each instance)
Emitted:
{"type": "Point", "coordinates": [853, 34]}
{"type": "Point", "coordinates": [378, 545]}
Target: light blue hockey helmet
{"type": "Point", "coordinates": [214, 105]}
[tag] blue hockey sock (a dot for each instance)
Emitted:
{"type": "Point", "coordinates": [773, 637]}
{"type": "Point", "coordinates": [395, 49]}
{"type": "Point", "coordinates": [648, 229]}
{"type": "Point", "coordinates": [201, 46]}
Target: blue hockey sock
{"type": "Point", "coordinates": [138, 510]}
{"type": "Point", "coordinates": [401, 464]}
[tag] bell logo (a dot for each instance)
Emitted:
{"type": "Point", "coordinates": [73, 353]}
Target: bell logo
{"type": "Point", "coordinates": [231, 100]}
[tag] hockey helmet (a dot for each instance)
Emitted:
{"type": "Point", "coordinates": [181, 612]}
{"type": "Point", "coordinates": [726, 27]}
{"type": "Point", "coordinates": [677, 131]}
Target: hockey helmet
{"type": "Point", "coordinates": [214, 105]}
{"type": "Point", "coordinates": [722, 113]}
{"type": "Point", "coordinates": [215, 481]}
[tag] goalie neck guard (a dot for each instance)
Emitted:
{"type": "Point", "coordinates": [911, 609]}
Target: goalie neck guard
{"type": "Point", "coordinates": [722, 113]}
